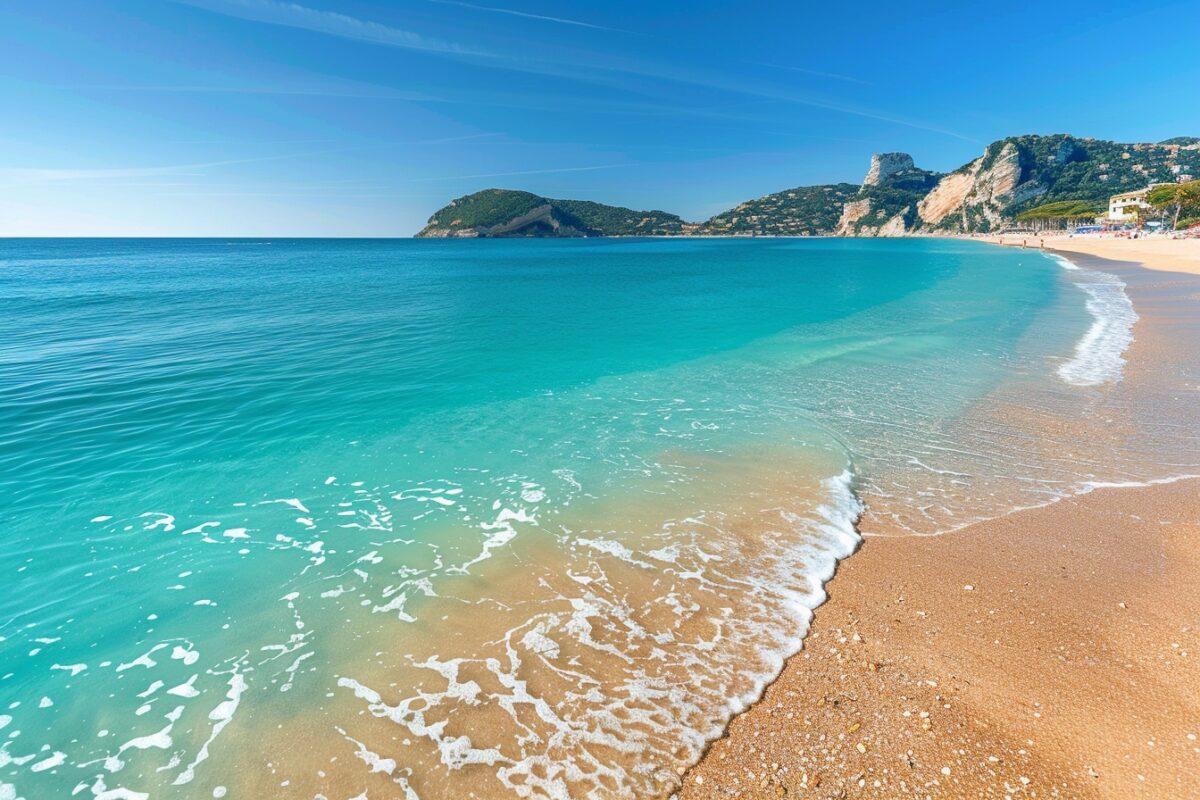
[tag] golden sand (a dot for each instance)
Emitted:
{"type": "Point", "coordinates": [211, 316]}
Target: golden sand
{"type": "Point", "coordinates": [1156, 253]}
{"type": "Point", "coordinates": [1050, 653]}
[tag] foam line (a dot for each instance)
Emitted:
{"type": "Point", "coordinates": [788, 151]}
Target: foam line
{"type": "Point", "coordinates": [1099, 355]}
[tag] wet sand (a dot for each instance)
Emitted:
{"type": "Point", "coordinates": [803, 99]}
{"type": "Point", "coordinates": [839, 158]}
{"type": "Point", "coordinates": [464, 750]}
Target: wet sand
{"type": "Point", "coordinates": [1049, 653]}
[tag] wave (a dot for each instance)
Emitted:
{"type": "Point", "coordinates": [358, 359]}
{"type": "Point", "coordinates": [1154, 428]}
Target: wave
{"type": "Point", "coordinates": [1099, 354]}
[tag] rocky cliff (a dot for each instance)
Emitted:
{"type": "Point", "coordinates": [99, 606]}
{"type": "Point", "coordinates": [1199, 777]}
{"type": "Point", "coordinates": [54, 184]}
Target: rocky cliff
{"type": "Point", "coordinates": [885, 165]}
{"type": "Point", "coordinates": [896, 197]}
{"type": "Point", "coordinates": [886, 203]}
{"type": "Point", "coordinates": [1011, 175]}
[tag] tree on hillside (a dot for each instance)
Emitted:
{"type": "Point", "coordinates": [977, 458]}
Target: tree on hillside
{"type": "Point", "coordinates": [1063, 211]}
{"type": "Point", "coordinates": [1175, 198]}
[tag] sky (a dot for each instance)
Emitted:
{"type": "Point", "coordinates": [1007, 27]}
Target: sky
{"type": "Point", "coordinates": [355, 118]}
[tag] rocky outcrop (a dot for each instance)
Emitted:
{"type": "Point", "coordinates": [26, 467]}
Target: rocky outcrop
{"type": "Point", "coordinates": [896, 197]}
{"type": "Point", "coordinates": [896, 226]}
{"type": "Point", "coordinates": [948, 196]}
{"type": "Point", "coordinates": [997, 188]}
{"type": "Point", "coordinates": [545, 220]}
{"type": "Point", "coordinates": [885, 202]}
{"type": "Point", "coordinates": [885, 165]}
{"type": "Point", "coordinates": [852, 213]}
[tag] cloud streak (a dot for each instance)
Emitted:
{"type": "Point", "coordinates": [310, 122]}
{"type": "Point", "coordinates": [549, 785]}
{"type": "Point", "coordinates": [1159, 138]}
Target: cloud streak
{"type": "Point", "coordinates": [815, 73]}
{"type": "Point", "coordinates": [58, 174]}
{"type": "Point", "coordinates": [294, 15]}
{"type": "Point", "coordinates": [577, 68]}
{"type": "Point", "coordinates": [51, 175]}
{"type": "Point", "coordinates": [527, 15]}
{"type": "Point", "coordinates": [518, 172]}
{"type": "Point", "coordinates": [365, 94]}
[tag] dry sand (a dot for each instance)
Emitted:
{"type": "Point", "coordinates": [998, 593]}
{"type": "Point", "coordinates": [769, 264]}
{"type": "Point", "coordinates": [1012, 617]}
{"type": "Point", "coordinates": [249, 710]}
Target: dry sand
{"type": "Point", "coordinates": [1054, 652]}
{"type": "Point", "coordinates": [1157, 253]}
{"type": "Point", "coordinates": [1050, 653]}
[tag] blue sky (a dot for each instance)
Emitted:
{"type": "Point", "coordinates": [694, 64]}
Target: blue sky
{"type": "Point", "coordinates": [354, 118]}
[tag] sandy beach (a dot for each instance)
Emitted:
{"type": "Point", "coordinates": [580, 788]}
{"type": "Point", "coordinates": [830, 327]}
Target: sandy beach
{"type": "Point", "coordinates": [1048, 653]}
{"type": "Point", "coordinates": [1156, 253]}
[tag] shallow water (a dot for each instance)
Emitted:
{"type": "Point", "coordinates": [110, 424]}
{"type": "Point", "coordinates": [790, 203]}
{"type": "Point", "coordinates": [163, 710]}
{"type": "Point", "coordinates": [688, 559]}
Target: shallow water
{"type": "Point", "coordinates": [486, 518]}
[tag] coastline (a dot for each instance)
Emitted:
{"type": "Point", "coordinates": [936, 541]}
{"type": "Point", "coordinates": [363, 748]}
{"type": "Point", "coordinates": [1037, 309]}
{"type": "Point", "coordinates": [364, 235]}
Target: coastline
{"type": "Point", "coordinates": [1158, 254]}
{"type": "Point", "coordinates": [1049, 653]}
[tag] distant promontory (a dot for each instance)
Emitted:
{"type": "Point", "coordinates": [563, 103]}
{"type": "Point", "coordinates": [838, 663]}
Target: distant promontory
{"type": "Point", "coordinates": [896, 197]}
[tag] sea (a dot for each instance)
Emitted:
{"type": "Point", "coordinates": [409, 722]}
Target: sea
{"type": "Point", "coordinates": [366, 519]}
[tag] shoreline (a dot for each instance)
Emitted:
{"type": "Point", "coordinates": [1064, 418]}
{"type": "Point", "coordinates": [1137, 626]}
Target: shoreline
{"type": "Point", "coordinates": [855, 716]}
{"type": "Point", "coordinates": [1154, 253]}
{"type": "Point", "coordinates": [972, 679]}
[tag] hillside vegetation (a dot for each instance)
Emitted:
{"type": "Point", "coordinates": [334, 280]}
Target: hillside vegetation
{"type": "Point", "coordinates": [1011, 177]}
{"type": "Point", "coordinates": [510, 213]}
{"type": "Point", "coordinates": [803, 211]}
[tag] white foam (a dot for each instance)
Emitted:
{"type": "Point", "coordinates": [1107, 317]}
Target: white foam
{"type": "Point", "coordinates": [1099, 354]}
{"type": "Point", "coordinates": [74, 669]}
{"type": "Point", "coordinates": [186, 689]}
{"type": "Point", "coordinates": [187, 655]}
{"type": "Point", "coordinates": [101, 792]}
{"type": "Point", "coordinates": [55, 760]}
{"type": "Point", "coordinates": [376, 762]}
{"type": "Point", "coordinates": [220, 716]}
{"type": "Point", "coordinates": [161, 520]}
{"type": "Point", "coordinates": [1091, 486]}
{"type": "Point", "coordinates": [564, 747]}
{"type": "Point", "coordinates": [500, 532]}
{"type": "Point", "coordinates": [533, 493]}
{"type": "Point", "coordinates": [144, 660]}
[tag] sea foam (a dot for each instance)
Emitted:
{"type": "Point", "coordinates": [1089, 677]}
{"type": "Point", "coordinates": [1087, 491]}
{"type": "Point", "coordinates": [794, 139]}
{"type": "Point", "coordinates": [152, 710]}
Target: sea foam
{"type": "Point", "coordinates": [1099, 353]}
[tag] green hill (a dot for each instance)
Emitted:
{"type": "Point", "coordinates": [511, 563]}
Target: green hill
{"type": "Point", "coordinates": [1012, 176]}
{"type": "Point", "coordinates": [511, 213]}
{"type": "Point", "coordinates": [803, 211]}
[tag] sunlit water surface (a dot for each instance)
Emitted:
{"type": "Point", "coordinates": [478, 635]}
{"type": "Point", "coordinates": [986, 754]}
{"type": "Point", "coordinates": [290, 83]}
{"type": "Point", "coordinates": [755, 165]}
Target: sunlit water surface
{"type": "Point", "coordinates": [490, 518]}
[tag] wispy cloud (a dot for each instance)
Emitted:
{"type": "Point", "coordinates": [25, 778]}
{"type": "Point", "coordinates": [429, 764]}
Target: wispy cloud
{"type": "Point", "coordinates": [49, 175]}
{"type": "Point", "coordinates": [372, 93]}
{"type": "Point", "coordinates": [302, 194]}
{"type": "Point", "coordinates": [294, 15]}
{"type": "Point", "coordinates": [515, 13]}
{"type": "Point", "coordinates": [445, 139]}
{"type": "Point", "coordinates": [815, 73]}
{"type": "Point", "coordinates": [56, 174]}
{"type": "Point", "coordinates": [589, 69]}
{"type": "Point", "coordinates": [519, 172]}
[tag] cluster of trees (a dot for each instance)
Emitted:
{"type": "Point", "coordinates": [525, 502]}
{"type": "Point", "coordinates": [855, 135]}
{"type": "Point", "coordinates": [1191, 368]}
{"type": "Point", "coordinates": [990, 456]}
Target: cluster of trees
{"type": "Point", "coordinates": [487, 208]}
{"type": "Point", "coordinates": [1179, 201]}
{"type": "Point", "coordinates": [619, 221]}
{"type": "Point", "coordinates": [497, 208]}
{"type": "Point", "coordinates": [1058, 214]}
{"type": "Point", "coordinates": [805, 210]}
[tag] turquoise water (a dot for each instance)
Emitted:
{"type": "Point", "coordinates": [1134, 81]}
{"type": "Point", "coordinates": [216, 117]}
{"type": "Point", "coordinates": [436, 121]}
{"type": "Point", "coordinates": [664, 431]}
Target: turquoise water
{"type": "Point", "coordinates": [485, 518]}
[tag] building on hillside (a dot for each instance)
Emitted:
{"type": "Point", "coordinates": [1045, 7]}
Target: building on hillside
{"type": "Point", "coordinates": [1125, 207]}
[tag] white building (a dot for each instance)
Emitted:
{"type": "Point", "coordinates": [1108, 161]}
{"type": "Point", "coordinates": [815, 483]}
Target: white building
{"type": "Point", "coordinates": [1124, 207]}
